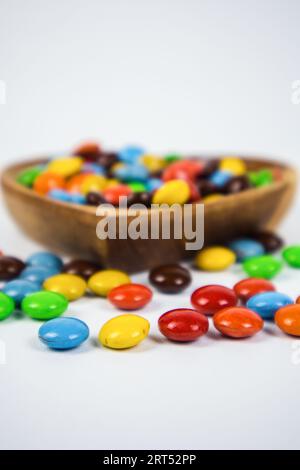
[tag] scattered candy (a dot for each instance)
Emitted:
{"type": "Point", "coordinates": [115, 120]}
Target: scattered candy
{"type": "Point", "coordinates": [209, 299]}
{"type": "Point", "coordinates": [267, 303]}
{"type": "Point", "coordinates": [215, 258]}
{"type": "Point", "coordinates": [19, 288]}
{"type": "Point", "coordinates": [265, 267]}
{"type": "Point", "coordinates": [288, 319]}
{"type": "Point", "coordinates": [44, 305]}
{"type": "Point", "coordinates": [124, 331]}
{"type": "Point", "coordinates": [130, 296]}
{"type": "Point", "coordinates": [170, 278]}
{"type": "Point", "coordinates": [64, 333]}
{"type": "Point", "coordinates": [70, 286]}
{"type": "Point", "coordinates": [238, 322]}
{"type": "Point", "coordinates": [247, 288]}
{"type": "Point", "coordinates": [183, 325]}
{"type": "Point", "coordinates": [269, 240]}
{"type": "Point", "coordinates": [7, 306]}
{"type": "Point", "coordinates": [81, 268]}
{"type": "Point", "coordinates": [38, 274]}
{"type": "Point", "coordinates": [172, 192]}
{"type": "Point", "coordinates": [10, 267]}
{"type": "Point", "coordinates": [49, 260]}
{"type": "Point", "coordinates": [291, 255]}
{"type": "Point", "coordinates": [103, 282]}
{"type": "Point", "coordinates": [245, 248]}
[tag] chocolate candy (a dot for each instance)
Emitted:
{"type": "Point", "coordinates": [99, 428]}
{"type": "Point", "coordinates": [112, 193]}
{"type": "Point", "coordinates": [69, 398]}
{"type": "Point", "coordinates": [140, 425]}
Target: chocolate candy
{"type": "Point", "coordinates": [269, 240]}
{"type": "Point", "coordinates": [7, 306]}
{"type": "Point", "coordinates": [144, 198]}
{"type": "Point", "coordinates": [88, 150]}
{"type": "Point", "coordinates": [130, 296]}
{"type": "Point", "coordinates": [265, 267]}
{"type": "Point", "coordinates": [70, 286]}
{"type": "Point", "coordinates": [209, 167]}
{"type": "Point", "coordinates": [214, 258]}
{"type": "Point", "coordinates": [170, 278]}
{"type": "Point", "coordinates": [172, 192]}
{"type": "Point", "coordinates": [245, 248]}
{"type": "Point", "coordinates": [288, 319]}
{"type": "Point", "coordinates": [206, 188]}
{"type": "Point", "coordinates": [124, 331]}
{"type": "Point", "coordinates": [238, 322]}
{"type": "Point", "coordinates": [267, 303]}
{"type": "Point", "coordinates": [183, 325]}
{"type": "Point", "coordinates": [38, 274]}
{"type": "Point", "coordinates": [63, 333]}
{"type": "Point", "coordinates": [95, 199]}
{"type": "Point", "coordinates": [247, 288]}
{"type": "Point", "coordinates": [46, 259]}
{"type": "Point", "coordinates": [44, 305]}
{"type": "Point", "coordinates": [291, 255]}
{"type": "Point", "coordinates": [82, 268]}
{"type": "Point", "coordinates": [107, 159]}
{"type": "Point", "coordinates": [19, 288]}
{"type": "Point", "coordinates": [10, 267]}
{"type": "Point", "coordinates": [45, 182]}
{"type": "Point", "coordinates": [103, 282]}
{"type": "Point", "coordinates": [209, 299]}
{"type": "Point", "coordinates": [236, 185]}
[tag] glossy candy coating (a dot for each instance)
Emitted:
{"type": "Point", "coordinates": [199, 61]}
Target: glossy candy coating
{"type": "Point", "coordinates": [10, 267]}
{"type": "Point", "coordinates": [291, 255]}
{"type": "Point", "coordinates": [137, 186]}
{"type": "Point", "coordinates": [269, 240]}
{"type": "Point", "coordinates": [93, 183]}
{"type": "Point", "coordinates": [247, 288]}
{"type": "Point", "coordinates": [288, 319]}
{"type": "Point", "coordinates": [59, 195]}
{"type": "Point", "coordinates": [45, 258]}
{"type": "Point", "coordinates": [170, 278]}
{"type": "Point", "coordinates": [238, 322]}
{"type": "Point", "coordinates": [237, 184]}
{"type": "Point", "coordinates": [70, 286]}
{"type": "Point", "coordinates": [63, 333]}
{"type": "Point", "coordinates": [134, 172]}
{"type": "Point", "coordinates": [261, 178]}
{"type": "Point", "coordinates": [7, 306]}
{"type": "Point", "coordinates": [28, 176]}
{"type": "Point", "coordinates": [107, 159]}
{"type": "Point", "coordinates": [209, 167]}
{"type": "Point", "coordinates": [45, 182]}
{"type": "Point", "coordinates": [73, 185]}
{"type": "Point", "coordinates": [19, 288]}
{"type": "Point", "coordinates": [103, 282]}
{"type": "Point", "coordinates": [144, 198]}
{"type": "Point", "coordinates": [183, 325]}
{"type": "Point", "coordinates": [210, 299]}
{"type": "Point", "coordinates": [38, 274]}
{"type": "Point", "coordinates": [214, 258]}
{"type": "Point", "coordinates": [113, 194]}
{"type": "Point", "coordinates": [81, 268]}
{"type": "Point", "coordinates": [265, 267]}
{"type": "Point", "coordinates": [153, 184]}
{"type": "Point", "coordinates": [172, 192]}
{"type": "Point", "coordinates": [233, 165]}
{"type": "Point", "coordinates": [130, 153]}
{"type": "Point", "coordinates": [124, 331]}
{"type": "Point", "coordinates": [267, 303]}
{"type": "Point", "coordinates": [206, 188]}
{"type": "Point", "coordinates": [44, 305]}
{"type": "Point", "coordinates": [95, 199]}
{"type": "Point", "coordinates": [130, 296]}
{"type": "Point", "coordinates": [220, 178]}
{"type": "Point", "coordinates": [66, 166]}
{"type": "Point", "coordinates": [89, 150]}
{"type": "Point", "coordinates": [153, 163]}
{"type": "Point", "coordinates": [245, 248]}
{"type": "Point", "coordinates": [183, 169]}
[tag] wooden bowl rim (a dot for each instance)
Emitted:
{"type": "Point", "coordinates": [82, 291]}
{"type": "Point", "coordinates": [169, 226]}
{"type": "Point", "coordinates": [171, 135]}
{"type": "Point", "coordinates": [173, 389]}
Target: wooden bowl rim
{"type": "Point", "coordinates": [9, 174]}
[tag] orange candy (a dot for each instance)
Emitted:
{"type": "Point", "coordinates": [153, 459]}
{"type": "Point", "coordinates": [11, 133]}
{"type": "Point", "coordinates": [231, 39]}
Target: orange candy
{"type": "Point", "coordinates": [238, 322]}
{"type": "Point", "coordinates": [113, 193]}
{"type": "Point", "coordinates": [74, 184]}
{"type": "Point", "coordinates": [288, 319]}
{"type": "Point", "coordinates": [47, 181]}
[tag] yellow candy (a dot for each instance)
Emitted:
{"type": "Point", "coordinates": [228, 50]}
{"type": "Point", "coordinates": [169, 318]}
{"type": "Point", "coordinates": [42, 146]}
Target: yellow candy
{"type": "Point", "coordinates": [124, 331]}
{"type": "Point", "coordinates": [71, 286]}
{"type": "Point", "coordinates": [103, 282]}
{"type": "Point", "coordinates": [66, 166]}
{"type": "Point", "coordinates": [212, 198]}
{"type": "Point", "coordinates": [215, 258]}
{"type": "Point", "coordinates": [153, 163]}
{"type": "Point", "coordinates": [172, 192]}
{"type": "Point", "coordinates": [111, 182]}
{"type": "Point", "coordinates": [93, 183]}
{"type": "Point", "coordinates": [233, 165]}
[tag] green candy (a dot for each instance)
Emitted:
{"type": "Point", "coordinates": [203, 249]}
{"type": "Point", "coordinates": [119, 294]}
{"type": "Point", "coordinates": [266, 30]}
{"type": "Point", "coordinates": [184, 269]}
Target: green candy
{"type": "Point", "coordinates": [261, 178]}
{"type": "Point", "coordinates": [7, 306]}
{"type": "Point", "coordinates": [44, 305]}
{"type": "Point", "coordinates": [291, 255]}
{"type": "Point", "coordinates": [28, 177]}
{"type": "Point", "coordinates": [265, 267]}
{"type": "Point", "coordinates": [172, 157]}
{"type": "Point", "coordinates": [137, 187]}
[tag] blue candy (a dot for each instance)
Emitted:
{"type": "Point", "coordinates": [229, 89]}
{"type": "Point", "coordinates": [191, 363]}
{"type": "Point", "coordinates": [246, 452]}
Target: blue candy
{"type": "Point", "coordinates": [267, 303]}
{"type": "Point", "coordinates": [38, 274]}
{"type": "Point", "coordinates": [63, 333]}
{"type": "Point", "coordinates": [245, 248]}
{"type": "Point", "coordinates": [46, 259]}
{"type": "Point", "coordinates": [77, 198]}
{"type": "Point", "coordinates": [220, 178]}
{"type": "Point", "coordinates": [131, 173]}
{"type": "Point", "coordinates": [59, 195]}
{"type": "Point", "coordinates": [130, 154]}
{"type": "Point", "coordinates": [93, 168]}
{"type": "Point", "coordinates": [153, 184]}
{"type": "Point", "coordinates": [19, 288]}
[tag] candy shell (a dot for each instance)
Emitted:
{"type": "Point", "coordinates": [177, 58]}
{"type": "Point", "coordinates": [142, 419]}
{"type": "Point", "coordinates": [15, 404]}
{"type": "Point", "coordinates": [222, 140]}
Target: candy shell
{"type": "Point", "coordinates": [44, 305]}
{"type": "Point", "coordinates": [245, 248]}
{"type": "Point", "coordinates": [7, 306]}
{"type": "Point", "coordinates": [93, 183]}
{"type": "Point", "coordinates": [172, 192]}
{"type": "Point", "coordinates": [27, 177]}
{"type": "Point", "coordinates": [63, 333]}
{"type": "Point", "coordinates": [10, 268]}
{"type": "Point", "coordinates": [210, 299]}
{"type": "Point", "coordinates": [183, 325]}
{"type": "Point", "coordinates": [19, 288]}
{"type": "Point", "coordinates": [238, 322]}
{"type": "Point", "coordinates": [265, 267]}
{"type": "Point", "coordinates": [66, 166]}
{"type": "Point", "coordinates": [233, 165]}
{"type": "Point", "coordinates": [45, 182]}
{"type": "Point", "coordinates": [249, 287]}
{"type": "Point", "coordinates": [103, 282]}
{"type": "Point", "coordinates": [38, 274]}
{"type": "Point", "coordinates": [70, 286]}
{"type": "Point", "coordinates": [124, 331]}
{"type": "Point", "coordinates": [215, 258]}
{"type": "Point", "coordinates": [170, 278]}
{"type": "Point", "coordinates": [45, 258]}
{"type": "Point", "coordinates": [130, 153]}
{"type": "Point", "coordinates": [130, 296]}
{"type": "Point", "coordinates": [288, 319]}
{"type": "Point", "coordinates": [291, 255]}
{"type": "Point", "coordinates": [267, 303]}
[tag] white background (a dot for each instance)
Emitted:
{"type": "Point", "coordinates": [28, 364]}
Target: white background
{"type": "Point", "coordinates": [172, 75]}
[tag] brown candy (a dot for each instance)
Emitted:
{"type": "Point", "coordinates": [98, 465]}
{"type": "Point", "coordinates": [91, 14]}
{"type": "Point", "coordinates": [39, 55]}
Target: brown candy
{"type": "Point", "coordinates": [81, 268]}
{"type": "Point", "coordinates": [236, 185]}
{"type": "Point", "coordinates": [107, 159]}
{"type": "Point", "coordinates": [269, 240]}
{"type": "Point", "coordinates": [170, 278]}
{"type": "Point", "coordinates": [140, 198]}
{"type": "Point", "coordinates": [10, 267]}
{"type": "Point", "coordinates": [95, 199]}
{"type": "Point", "coordinates": [206, 188]}
{"type": "Point", "coordinates": [210, 166]}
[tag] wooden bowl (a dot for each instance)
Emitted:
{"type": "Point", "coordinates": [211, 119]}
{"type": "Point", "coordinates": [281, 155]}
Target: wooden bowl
{"type": "Point", "coordinates": [71, 229]}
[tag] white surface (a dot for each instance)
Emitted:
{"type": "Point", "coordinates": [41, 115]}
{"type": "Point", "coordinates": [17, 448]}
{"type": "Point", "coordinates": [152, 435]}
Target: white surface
{"type": "Point", "coordinates": [187, 75]}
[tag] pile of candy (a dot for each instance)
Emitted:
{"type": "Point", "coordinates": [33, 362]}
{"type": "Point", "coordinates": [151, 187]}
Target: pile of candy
{"type": "Point", "coordinates": [43, 287]}
{"type": "Point", "coordinates": [93, 176]}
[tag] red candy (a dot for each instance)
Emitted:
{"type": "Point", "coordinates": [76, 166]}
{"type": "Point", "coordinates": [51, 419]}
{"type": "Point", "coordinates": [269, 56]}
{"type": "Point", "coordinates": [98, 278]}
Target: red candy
{"type": "Point", "coordinates": [113, 193]}
{"type": "Point", "coordinates": [184, 170]}
{"type": "Point", "coordinates": [130, 296]}
{"type": "Point", "coordinates": [238, 322]}
{"type": "Point", "coordinates": [209, 299]}
{"type": "Point", "coordinates": [183, 324]}
{"type": "Point", "coordinates": [249, 287]}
